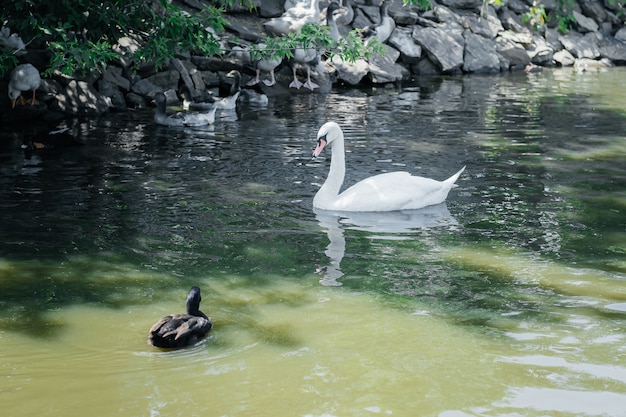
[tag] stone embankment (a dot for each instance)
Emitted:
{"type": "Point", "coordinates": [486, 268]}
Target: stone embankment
{"type": "Point", "coordinates": [454, 37]}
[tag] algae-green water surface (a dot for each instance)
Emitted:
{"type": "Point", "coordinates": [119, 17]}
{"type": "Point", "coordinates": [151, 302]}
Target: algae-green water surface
{"type": "Point", "coordinates": [509, 299]}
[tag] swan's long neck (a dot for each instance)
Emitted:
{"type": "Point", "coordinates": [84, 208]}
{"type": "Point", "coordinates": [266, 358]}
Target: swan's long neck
{"type": "Point", "coordinates": [315, 6]}
{"type": "Point", "coordinates": [329, 191]}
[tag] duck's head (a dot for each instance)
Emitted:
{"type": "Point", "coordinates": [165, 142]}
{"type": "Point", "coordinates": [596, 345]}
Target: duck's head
{"type": "Point", "coordinates": [329, 132]}
{"type": "Point", "coordinates": [193, 301]}
{"type": "Point", "coordinates": [236, 84]}
{"type": "Point", "coordinates": [233, 74]}
{"type": "Point", "coordinates": [332, 7]}
{"type": "Point", "coordinates": [160, 99]}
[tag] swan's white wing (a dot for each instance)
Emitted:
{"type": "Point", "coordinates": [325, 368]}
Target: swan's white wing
{"type": "Point", "coordinates": [392, 191]}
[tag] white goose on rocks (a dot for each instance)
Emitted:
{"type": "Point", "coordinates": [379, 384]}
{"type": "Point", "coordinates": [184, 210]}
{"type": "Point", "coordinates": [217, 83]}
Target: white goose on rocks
{"type": "Point", "coordinates": [292, 20]}
{"type": "Point", "coordinates": [305, 58]}
{"type": "Point", "coordinates": [267, 64]}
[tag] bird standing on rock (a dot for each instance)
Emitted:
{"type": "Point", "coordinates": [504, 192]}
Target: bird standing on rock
{"type": "Point", "coordinates": [306, 58]}
{"type": "Point", "coordinates": [24, 77]}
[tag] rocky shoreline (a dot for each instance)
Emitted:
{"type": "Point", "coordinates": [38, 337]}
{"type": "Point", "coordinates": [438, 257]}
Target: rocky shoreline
{"type": "Point", "coordinates": [455, 37]}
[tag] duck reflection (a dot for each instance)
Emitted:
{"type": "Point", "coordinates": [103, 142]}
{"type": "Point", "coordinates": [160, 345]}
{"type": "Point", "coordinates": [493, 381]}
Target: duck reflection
{"type": "Point", "coordinates": [390, 225]}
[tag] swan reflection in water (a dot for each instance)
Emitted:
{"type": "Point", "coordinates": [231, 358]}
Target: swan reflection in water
{"type": "Point", "coordinates": [389, 225]}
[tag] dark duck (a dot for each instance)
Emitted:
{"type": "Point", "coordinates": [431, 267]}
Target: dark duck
{"type": "Point", "coordinates": [179, 330]}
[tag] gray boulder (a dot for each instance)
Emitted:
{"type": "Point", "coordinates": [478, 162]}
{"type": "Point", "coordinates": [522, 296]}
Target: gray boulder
{"type": "Point", "coordinates": [516, 55]}
{"type": "Point", "coordinates": [612, 49]}
{"type": "Point", "coordinates": [564, 58]}
{"type": "Point", "coordinates": [444, 46]}
{"type": "Point", "coordinates": [80, 98]}
{"type": "Point", "coordinates": [511, 21]}
{"type": "Point", "coordinates": [383, 69]}
{"type": "Point", "coordinates": [584, 23]}
{"type": "Point", "coordinates": [517, 6]}
{"type": "Point", "coordinates": [478, 26]}
{"type": "Point", "coordinates": [114, 75]}
{"type": "Point", "coordinates": [145, 88]}
{"type": "Point", "coordinates": [480, 55]}
{"type": "Point", "coordinates": [540, 52]}
{"type": "Point", "coordinates": [402, 40]}
{"type": "Point", "coordinates": [463, 4]}
{"type": "Point", "coordinates": [350, 72]}
{"type": "Point", "coordinates": [425, 67]}
{"type": "Point", "coordinates": [593, 9]}
{"type": "Point", "coordinates": [167, 80]}
{"type": "Point", "coordinates": [580, 46]}
{"type": "Point", "coordinates": [113, 92]}
{"type": "Point", "coordinates": [445, 15]}
{"type": "Point", "coordinates": [524, 39]}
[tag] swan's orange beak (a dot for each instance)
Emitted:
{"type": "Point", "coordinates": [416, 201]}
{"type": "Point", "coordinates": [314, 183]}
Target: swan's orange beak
{"type": "Point", "coordinates": [321, 142]}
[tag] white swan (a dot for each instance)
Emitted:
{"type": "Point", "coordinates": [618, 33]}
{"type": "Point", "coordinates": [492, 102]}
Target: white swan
{"type": "Point", "coordinates": [384, 192]}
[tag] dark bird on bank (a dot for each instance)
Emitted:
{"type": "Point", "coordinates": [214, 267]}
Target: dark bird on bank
{"type": "Point", "coordinates": [178, 330]}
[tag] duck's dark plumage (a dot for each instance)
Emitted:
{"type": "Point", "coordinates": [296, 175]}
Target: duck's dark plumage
{"type": "Point", "coordinates": [178, 330]}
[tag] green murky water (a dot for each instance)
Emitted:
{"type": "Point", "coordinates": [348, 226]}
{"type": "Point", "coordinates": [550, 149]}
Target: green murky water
{"type": "Point", "coordinates": [510, 299]}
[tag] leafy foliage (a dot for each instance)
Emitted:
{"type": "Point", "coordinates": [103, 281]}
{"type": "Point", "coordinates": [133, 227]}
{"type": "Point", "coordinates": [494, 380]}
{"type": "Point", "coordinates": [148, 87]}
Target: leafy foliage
{"type": "Point", "coordinates": [83, 35]}
{"type": "Point", "coordinates": [350, 47]}
{"type": "Point", "coordinates": [536, 15]}
{"type": "Point", "coordinates": [7, 61]}
{"type": "Point", "coordinates": [181, 32]}
{"type": "Point", "coordinates": [72, 56]}
{"type": "Point", "coordinates": [564, 14]}
{"type": "Point", "coordinates": [619, 6]}
{"type": "Point", "coordinates": [421, 4]}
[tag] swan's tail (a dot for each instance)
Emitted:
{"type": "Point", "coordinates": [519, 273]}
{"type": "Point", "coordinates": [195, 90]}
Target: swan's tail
{"type": "Point", "coordinates": [453, 178]}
